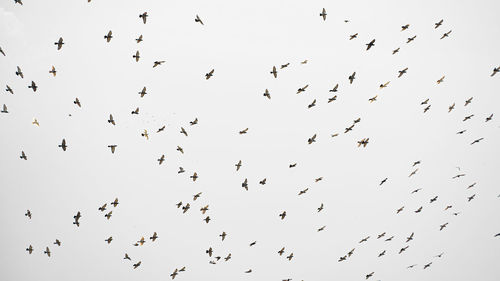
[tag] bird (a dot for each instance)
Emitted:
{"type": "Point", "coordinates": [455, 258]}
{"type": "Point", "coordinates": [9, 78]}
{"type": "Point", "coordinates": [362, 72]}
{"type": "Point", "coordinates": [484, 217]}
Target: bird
{"type": "Point", "coordinates": [274, 72]}
{"type": "Point", "coordinates": [9, 89]}
{"type": "Point", "coordinates": [373, 99]}
{"type": "Point", "coordinates": [451, 107]}
{"type": "Point", "coordinates": [180, 149]}
{"type": "Point", "coordinates": [433, 199]}
{"type": "Point", "coordinates": [414, 172]}
{"type": "Point", "coordinates": [144, 17]}
{"type": "Point", "coordinates": [363, 142]}
{"type": "Point", "coordinates": [403, 249]}
{"type": "Point", "coordinates": [111, 120]}
{"type": "Point", "coordinates": [476, 141]}
{"type": "Point", "coordinates": [143, 92]}
{"type": "Point", "coordinates": [137, 56]}
{"type": "Point", "coordinates": [352, 77]}
{"type": "Point", "coordinates": [139, 39]}
{"type": "Point", "coordinates": [157, 63]}
{"type": "Point", "coordinates": [303, 62]}
{"type": "Point", "coordinates": [469, 101]}
{"type": "Point", "coordinates": [369, 275]}
{"type": "Point", "coordinates": [19, 72]}
{"type": "Point", "coordinates": [127, 257]}
{"type": "Point", "coordinates": [136, 265]}
{"type": "Point", "coordinates": [438, 256]}
{"type": "Point", "coordinates": [33, 86]}
{"type": "Point", "coordinates": [47, 251]}
{"type": "Point", "coordinates": [161, 129]}
{"type": "Point", "coordinates": [28, 214]}
{"type": "Point", "coordinates": [323, 14]}
{"type": "Point", "coordinates": [289, 257]}
{"type": "Point", "coordinates": [334, 88]}
{"type": "Point", "coordinates": [364, 239]}
{"type": "Point", "coordinates": [334, 98]}
{"type": "Point", "coordinates": [197, 19]}
{"type": "Point", "coordinates": [108, 215]}
{"type": "Point", "coordinates": [471, 197]}
{"type": "Point", "coordinates": [353, 36]}
{"type": "Point", "coordinates": [248, 271]}
{"type": "Point", "coordinates": [59, 43]}
{"type": "Point", "coordinates": [381, 254]}
{"type": "Point", "coordinates": [183, 131]}
{"type": "Point", "coordinates": [77, 219]}
{"type": "Point", "coordinates": [136, 111]}
{"type": "Point", "coordinates": [194, 176]}
{"type": "Point", "coordinates": [23, 156]}
{"type": "Point", "coordinates": [284, 65]}
{"type": "Point", "coordinates": [401, 72]}
{"type": "Point", "coordinates": [197, 195]}
{"type": "Point", "coordinates": [1, 51]}
{"type": "Point", "coordinates": [419, 209]}
{"type": "Point", "coordinates": [181, 170]}
{"type": "Point", "coordinates": [441, 227]}
{"type": "Point", "coordinates": [395, 51]}
{"type": "Point", "coordinates": [384, 85]}
{"type": "Point", "coordinates": [58, 243]}
{"type": "Point", "coordinates": [282, 251]}
{"type": "Point", "coordinates": [161, 159]}
{"type": "Point", "coordinates": [223, 235]}
{"type": "Point", "coordinates": [267, 94]}
{"type": "Point", "coordinates": [303, 89]}
{"type": "Point", "coordinates": [405, 27]}
{"type": "Point", "coordinates": [411, 266]}
{"type": "Point", "coordinates": [440, 80]}
{"type": "Point", "coordinates": [186, 208]}
{"type": "Point", "coordinates": [399, 210]}
{"type": "Point", "coordinates": [77, 102]}
{"type": "Point", "coordinates": [351, 252]}
{"type": "Point", "coordinates": [245, 184]}
{"type": "Point", "coordinates": [63, 145]}
{"type": "Point", "coordinates": [321, 228]}
{"type": "Point", "coordinates": [409, 238]}
{"type": "Point", "coordinates": [115, 202]}
{"type": "Point", "coordinates": [495, 70]}
{"type": "Point", "coordinates": [370, 44]}
{"type": "Point", "coordinates": [244, 131]}
{"type": "Point", "coordinates": [209, 251]}
{"type": "Point", "coordinates": [209, 74]}
{"type": "Point", "coordinates": [438, 24]}
{"type": "Point", "coordinates": [154, 237]}
{"type": "Point", "coordinates": [446, 34]}
{"type": "Point", "coordinates": [468, 117]}
{"type": "Point", "coordinates": [292, 165]}
{"type": "Point", "coordinates": [489, 118]}
{"type": "Point", "coordinates": [53, 71]}
{"type": "Point", "coordinates": [194, 122]}
{"type": "Point", "coordinates": [411, 39]}
{"type": "Point", "coordinates": [282, 215]}
{"type": "Point", "coordinates": [262, 182]}
{"type": "Point", "coordinates": [29, 249]}
{"type": "Point", "coordinates": [108, 36]}
{"type": "Point", "coordinates": [238, 165]}
{"type": "Point", "coordinates": [303, 191]}
{"type": "Point", "coordinates": [311, 139]}
{"type": "Point", "coordinates": [427, 265]}
{"type": "Point", "coordinates": [103, 207]}
{"type": "Point", "coordinates": [383, 181]}
{"type": "Point", "coordinates": [427, 108]}
{"type": "Point", "coordinates": [4, 109]}
{"type": "Point", "coordinates": [145, 134]}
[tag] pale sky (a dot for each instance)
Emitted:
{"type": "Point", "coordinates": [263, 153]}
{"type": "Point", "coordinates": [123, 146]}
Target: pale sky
{"type": "Point", "coordinates": [242, 41]}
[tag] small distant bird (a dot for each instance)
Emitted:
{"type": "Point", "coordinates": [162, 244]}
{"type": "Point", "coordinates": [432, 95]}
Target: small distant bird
{"type": "Point", "coordinates": [194, 176]}
{"type": "Point", "coordinates": [111, 120]}
{"type": "Point", "coordinates": [248, 271]}
{"type": "Point", "coordinates": [4, 109]}
{"type": "Point", "coordinates": [137, 56]}
{"type": "Point", "coordinates": [59, 43]}
{"type": "Point", "coordinates": [143, 92]}
{"type": "Point", "coordinates": [383, 181]}
{"type": "Point", "coordinates": [427, 265]}
{"type": "Point", "coordinates": [284, 65]}
{"type": "Point", "coordinates": [23, 156]}
{"type": "Point", "coordinates": [495, 70]}
{"type": "Point", "coordinates": [476, 141]}
{"type": "Point", "coordinates": [274, 72]}
{"type": "Point", "coordinates": [292, 165]}
{"type": "Point", "coordinates": [77, 102]}
{"type": "Point", "coordinates": [197, 195]}
{"type": "Point", "coordinates": [399, 210]}
{"type": "Point", "coordinates": [303, 191]}
{"type": "Point", "coordinates": [9, 89]}
{"type": "Point", "coordinates": [409, 238]}
{"type": "Point", "coordinates": [53, 71]}
{"type": "Point", "coordinates": [245, 184]}
{"type": "Point", "coordinates": [416, 190]}
{"type": "Point", "coordinates": [1, 51]}
{"type": "Point", "coordinates": [139, 40]}
{"type": "Point", "coordinates": [108, 36]}
{"type": "Point", "coordinates": [441, 227]}
{"type": "Point", "coordinates": [194, 122]}
{"type": "Point", "coordinates": [290, 256]}
{"type": "Point", "coordinates": [403, 249]}
{"type": "Point", "coordinates": [411, 266]}
{"type": "Point", "coordinates": [334, 88]}
{"type": "Point", "coordinates": [451, 107]}
{"type": "Point", "coordinates": [352, 77]}
{"type": "Point", "coordinates": [144, 17]}
{"type": "Point", "coordinates": [161, 129]}
{"type": "Point", "coordinates": [438, 256]}
{"type": "Point", "coordinates": [381, 254]}
{"type": "Point", "coordinates": [136, 265]}
{"type": "Point", "coordinates": [127, 257]}
{"type": "Point", "coordinates": [414, 172]}
{"type": "Point", "coordinates": [33, 86]}
{"type": "Point", "coordinates": [470, 198]}
{"type": "Point", "coordinates": [181, 170]}
{"type": "Point", "coordinates": [103, 207]}
{"type": "Point", "coordinates": [438, 24]}
{"type": "Point", "coordinates": [321, 228]}
{"type": "Point", "coordinates": [29, 249]}
{"type": "Point", "coordinates": [115, 203]}
{"type": "Point", "coordinates": [223, 235]}
{"type": "Point", "coordinates": [58, 243]}
{"type": "Point", "coordinates": [395, 51]}
{"type": "Point", "coordinates": [282, 215]}
{"type": "Point", "coordinates": [303, 62]}
{"type": "Point", "coordinates": [47, 251]}
{"type": "Point", "coordinates": [303, 89]}
{"type": "Point", "coordinates": [136, 111]}
{"type": "Point", "coordinates": [419, 210]}
{"type": "Point", "coordinates": [154, 237]}
{"type": "Point", "coordinates": [282, 251]}
{"type": "Point", "coordinates": [371, 44]}
{"type": "Point", "coordinates": [373, 99]}
{"type": "Point", "coordinates": [446, 34]}
{"type": "Point", "coordinates": [364, 239]}
{"type": "Point", "coordinates": [209, 74]}
{"type": "Point", "coordinates": [108, 215]}
{"type": "Point", "coordinates": [405, 27]}
{"type": "Point", "coordinates": [411, 39]}
{"type": "Point", "coordinates": [427, 108]}
{"type": "Point", "coordinates": [369, 275]}
{"type": "Point", "coordinates": [157, 63]}
{"type": "Point", "coordinates": [19, 72]}
{"type": "Point", "coordinates": [312, 104]}
{"type": "Point", "coordinates": [384, 85]}
{"type": "Point", "coordinates": [161, 159]}
{"type": "Point", "coordinates": [461, 132]}
{"type": "Point", "coordinates": [334, 98]}
{"type": "Point", "coordinates": [262, 182]}
{"type": "Point", "coordinates": [145, 134]}
{"type": "Point", "coordinates": [440, 80]}
{"type": "Point", "coordinates": [197, 19]}
{"type": "Point", "coordinates": [489, 118]}
{"type": "Point", "coordinates": [244, 131]}
{"type": "Point", "coordinates": [183, 131]}
{"type": "Point", "coordinates": [381, 235]}
{"type": "Point", "coordinates": [267, 94]}
{"type": "Point", "coordinates": [63, 145]}
{"type": "Point", "coordinates": [433, 199]}
{"type": "Point", "coordinates": [469, 101]}
{"type": "Point", "coordinates": [180, 149]}
{"type": "Point", "coordinates": [353, 36]}
{"type": "Point", "coordinates": [323, 14]}
{"type": "Point", "coordinates": [401, 72]}
{"type": "Point", "coordinates": [238, 165]}
{"type": "Point", "coordinates": [363, 142]}
{"type": "Point", "coordinates": [28, 214]}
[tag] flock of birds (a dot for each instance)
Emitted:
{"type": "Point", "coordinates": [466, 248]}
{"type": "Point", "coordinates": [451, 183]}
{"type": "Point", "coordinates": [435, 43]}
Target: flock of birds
{"type": "Point", "coordinates": [186, 206]}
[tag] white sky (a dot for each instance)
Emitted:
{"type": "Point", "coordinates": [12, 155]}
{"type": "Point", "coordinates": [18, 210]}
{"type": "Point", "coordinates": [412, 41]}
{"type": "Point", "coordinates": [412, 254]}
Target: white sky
{"type": "Point", "coordinates": [242, 41]}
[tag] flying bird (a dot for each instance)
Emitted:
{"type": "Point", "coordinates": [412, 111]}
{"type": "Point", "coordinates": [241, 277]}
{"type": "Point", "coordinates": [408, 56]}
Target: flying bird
{"type": "Point", "coordinates": [59, 43]}
{"type": "Point", "coordinates": [323, 14]}
{"type": "Point", "coordinates": [197, 19]}
{"type": "Point", "coordinates": [144, 17]}
{"type": "Point", "coordinates": [108, 36]}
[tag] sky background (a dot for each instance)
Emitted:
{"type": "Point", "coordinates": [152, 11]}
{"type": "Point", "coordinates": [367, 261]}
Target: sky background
{"type": "Point", "coordinates": [242, 41]}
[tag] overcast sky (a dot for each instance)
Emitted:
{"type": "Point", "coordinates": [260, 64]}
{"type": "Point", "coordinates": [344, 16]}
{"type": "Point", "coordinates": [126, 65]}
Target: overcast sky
{"type": "Point", "coordinates": [242, 41]}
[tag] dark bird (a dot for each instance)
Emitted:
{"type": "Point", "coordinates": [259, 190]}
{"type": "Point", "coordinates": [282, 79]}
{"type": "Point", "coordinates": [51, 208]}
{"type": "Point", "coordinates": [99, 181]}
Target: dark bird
{"type": "Point", "coordinates": [311, 139]}
{"type": "Point", "coordinates": [33, 86]}
{"type": "Point", "coordinates": [157, 63]}
{"type": "Point", "coordinates": [197, 19]}
{"type": "Point", "coordinates": [136, 111]}
{"type": "Point", "coordinates": [476, 141]}
{"type": "Point", "coordinates": [244, 131]}
{"type": "Point", "coordinates": [446, 34]}
{"type": "Point", "coordinates": [405, 27]}
{"type": "Point", "coordinates": [489, 118]}
{"type": "Point", "coordinates": [433, 199]}
{"type": "Point", "coordinates": [364, 239]}
{"type": "Point", "coordinates": [369, 275]}
{"type": "Point", "coordinates": [267, 94]}
{"type": "Point", "coordinates": [411, 39]}
{"type": "Point", "coordinates": [395, 51]}
{"type": "Point", "coordinates": [108, 36]}
{"type": "Point", "coordinates": [469, 101]}
{"type": "Point", "coordinates": [144, 17]}
{"type": "Point", "coordinates": [58, 243]}
{"type": "Point", "coordinates": [262, 182]}
{"type": "Point", "coordinates": [401, 72]}
{"type": "Point", "coordinates": [127, 257]}
{"type": "Point", "coordinates": [303, 89]}
{"type": "Point", "coordinates": [334, 88]}
{"type": "Point", "coordinates": [284, 65]}
{"type": "Point", "coordinates": [403, 249]}
{"type": "Point", "coordinates": [154, 237]}
{"type": "Point", "coordinates": [28, 214]}
{"type": "Point", "coordinates": [19, 72]}
{"type": "Point", "coordinates": [115, 203]}
{"type": "Point", "coordinates": [143, 92]}
{"type": "Point", "coordinates": [419, 209]}
{"type": "Point", "coordinates": [441, 227]}
{"type": "Point", "coordinates": [274, 72]}
{"type": "Point", "coordinates": [353, 36]}
{"type": "Point", "coordinates": [111, 120]}
{"type": "Point", "coordinates": [47, 251]}
{"type": "Point", "coordinates": [23, 156]}
{"type": "Point", "coordinates": [427, 265]}
{"type": "Point", "coordinates": [282, 215]}
{"type": "Point", "coordinates": [371, 44]}
{"type": "Point", "coordinates": [194, 122]}
{"type": "Point", "coordinates": [383, 181]}
{"type": "Point", "coordinates": [4, 109]}
{"type": "Point", "coordinates": [209, 74]}
{"type": "Point", "coordinates": [238, 165]}
{"type": "Point", "coordinates": [1, 51]}
{"type": "Point", "coordinates": [137, 56]}
{"type": "Point", "coordinates": [495, 70]}
{"type": "Point", "coordinates": [161, 159]}
{"type": "Point", "coordinates": [63, 145]}
{"type": "Point", "coordinates": [352, 77]}
{"type": "Point", "coordinates": [59, 43]}
{"type": "Point", "coordinates": [136, 265]}
{"type": "Point", "coordinates": [9, 89]}
{"type": "Point", "coordinates": [245, 184]}
{"type": "Point", "coordinates": [77, 102]}
{"type": "Point", "coordinates": [468, 117]}
{"type": "Point", "coordinates": [470, 198]}
{"type": "Point", "coordinates": [409, 238]}
{"type": "Point", "coordinates": [139, 40]}
{"type": "Point", "coordinates": [438, 24]}
{"type": "Point", "coordinates": [29, 249]}
{"type": "Point", "coordinates": [323, 14]}
{"type": "Point", "coordinates": [53, 71]}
